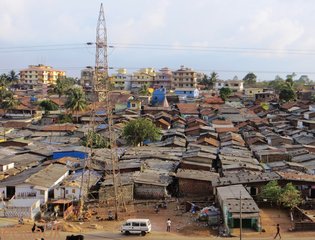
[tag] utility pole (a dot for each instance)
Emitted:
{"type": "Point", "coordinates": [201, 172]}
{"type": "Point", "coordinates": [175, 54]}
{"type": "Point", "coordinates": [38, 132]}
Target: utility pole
{"type": "Point", "coordinates": [241, 224]}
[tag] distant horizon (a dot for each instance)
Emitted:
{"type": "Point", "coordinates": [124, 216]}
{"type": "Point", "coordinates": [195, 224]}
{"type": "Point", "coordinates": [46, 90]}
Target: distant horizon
{"type": "Point", "coordinates": [268, 38]}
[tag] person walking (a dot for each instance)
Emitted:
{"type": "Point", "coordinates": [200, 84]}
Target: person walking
{"type": "Point", "coordinates": [278, 232]}
{"type": "Point", "coordinates": [168, 225]}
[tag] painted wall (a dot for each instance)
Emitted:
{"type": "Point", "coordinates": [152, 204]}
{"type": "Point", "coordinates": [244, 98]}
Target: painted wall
{"type": "Point", "coordinates": [74, 154]}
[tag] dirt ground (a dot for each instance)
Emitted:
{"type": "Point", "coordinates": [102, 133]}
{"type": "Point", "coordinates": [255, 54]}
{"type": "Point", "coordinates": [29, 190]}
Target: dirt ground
{"type": "Point", "coordinates": [183, 224]}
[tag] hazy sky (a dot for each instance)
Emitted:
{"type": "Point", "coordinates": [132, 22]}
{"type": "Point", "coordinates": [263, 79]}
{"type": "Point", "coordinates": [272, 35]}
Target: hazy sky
{"type": "Point", "coordinates": [231, 37]}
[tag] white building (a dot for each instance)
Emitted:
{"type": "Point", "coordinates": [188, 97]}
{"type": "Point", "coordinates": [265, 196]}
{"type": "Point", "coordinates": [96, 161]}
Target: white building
{"type": "Point", "coordinates": [34, 183]}
{"type": "Point", "coordinates": [234, 85]}
{"type": "Point", "coordinates": [71, 187]}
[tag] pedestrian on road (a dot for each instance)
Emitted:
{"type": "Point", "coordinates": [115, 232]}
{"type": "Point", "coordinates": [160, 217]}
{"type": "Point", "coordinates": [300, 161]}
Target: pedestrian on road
{"type": "Point", "coordinates": [168, 225]}
{"type": "Point", "coordinates": [278, 232]}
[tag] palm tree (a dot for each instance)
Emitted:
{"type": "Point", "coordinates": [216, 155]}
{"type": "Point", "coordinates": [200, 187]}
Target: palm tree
{"type": "Point", "coordinates": [12, 76]}
{"type": "Point", "coordinates": [212, 79]}
{"type": "Point", "coordinates": [7, 100]}
{"type": "Point", "coordinates": [4, 80]}
{"type": "Point", "coordinates": [76, 100]}
{"type": "Point", "coordinates": [59, 88]}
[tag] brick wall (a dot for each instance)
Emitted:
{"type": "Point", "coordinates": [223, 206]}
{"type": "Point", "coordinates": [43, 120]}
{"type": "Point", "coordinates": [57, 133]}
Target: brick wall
{"type": "Point", "coordinates": [191, 187]}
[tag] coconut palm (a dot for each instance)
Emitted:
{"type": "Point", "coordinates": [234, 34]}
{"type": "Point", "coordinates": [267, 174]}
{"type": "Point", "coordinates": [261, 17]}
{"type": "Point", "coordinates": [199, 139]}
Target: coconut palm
{"type": "Point", "coordinates": [76, 100]}
{"type": "Point", "coordinates": [7, 100]}
{"type": "Point", "coordinates": [212, 79]}
{"type": "Point", "coordinates": [63, 85]}
{"type": "Point", "coordinates": [13, 76]}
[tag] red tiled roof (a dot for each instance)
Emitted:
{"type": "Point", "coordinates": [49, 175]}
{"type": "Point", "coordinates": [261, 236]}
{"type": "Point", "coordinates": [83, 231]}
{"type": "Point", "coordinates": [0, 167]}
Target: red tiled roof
{"type": "Point", "coordinates": [59, 101]}
{"type": "Point", "coordinates": [210, 141]}
{"type": "Point", "coordinates": [164, 122]}
{"type": "Point", "coordinates": [214, 100]}
{"type": "Point", "coordinates": [59, 128]}
{"type": "Point", "coordinates": [15, 124]}
{"type": "Point", "coordinates": [192, 128]}
{"type": "Point", "coordinates": [224, 130]}
{"type": "Point", "coordinates": [288, 105]}
{"type": "Point", "coordinates": [222, 122]}
{"type": "Point", "coordinates": [188, 108]}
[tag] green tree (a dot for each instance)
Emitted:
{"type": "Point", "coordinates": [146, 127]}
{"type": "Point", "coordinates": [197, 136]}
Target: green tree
{"type": "Point", "coordinates": [205, 81]}
{"type": "Point", "coordinates": [12, 76]}
{"type": "Point", "coordinates": [94, 140]}
{"type": "Point", "coordinates": [76, 100]}
{"type": "Point", "coordinates": [290, 196]}
{"type": "Point", "coordinates": [48, 105]}
{"type": "Point", "coordinates": [4, 80]}
{"type": "Point", "coordinates": [137, 131]}
{"type": "Point", "coordinates": [278, 84]}
{"type": "Point", "coordinates": [65, 118]}
{"type": "Point", "coordinates": [144, 90]}
{"type": "Point", "coordinates": [225, 93]}
{"type": "Point", "coordinates": [7, 100]}
{"type": "Point", "coordinates": [287, 95]}
{"type": "Point", "coordinates": [213, 79]}
{"type": "Point", "coordinates": [250, 79]}
{"type": "Point", "coordinates": [271, 191]}
{"type": "Point", "coordinates": [63, 85]}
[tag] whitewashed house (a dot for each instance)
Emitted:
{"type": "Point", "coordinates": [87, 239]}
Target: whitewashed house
{"type": "Point", "coordinates": [34, 183]}
{"type": "Point", "coordinates": [71, 188]}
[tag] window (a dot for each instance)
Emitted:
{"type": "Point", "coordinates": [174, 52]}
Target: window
{"type": "Point", "coordinates": [127, 224]}
{"type": "Point", "coordinates": [73, 190]}
{"type": "Point", "coordinates": [133, 105]}
{"type": "Point", "coordinates": [42, 192]}
{"type": "Point", "coordinates": [143, 224]}
{"type": "Point", "coordinates": [135, 224]}
{"type": "Point", "coordinates": [184, 92]}
{"type": "Point", "coordinates": [250, 92]}
{"type": "Point", "coordinates": [67, 192]}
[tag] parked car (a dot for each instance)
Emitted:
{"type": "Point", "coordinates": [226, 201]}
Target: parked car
{"type": "Point", "coordinates": [139, 226]}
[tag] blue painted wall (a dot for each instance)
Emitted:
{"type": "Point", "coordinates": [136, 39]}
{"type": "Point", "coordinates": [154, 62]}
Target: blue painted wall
{"type": "Point", "coordinates": [74, 154]}
{"type": "Point", "coordinates": [190, 93]}
{"type": "Point", "coordinates": [158, 96]}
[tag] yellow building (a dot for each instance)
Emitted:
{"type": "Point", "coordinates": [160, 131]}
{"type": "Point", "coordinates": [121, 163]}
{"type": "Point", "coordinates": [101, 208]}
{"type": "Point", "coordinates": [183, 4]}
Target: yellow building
{"type": "Point", "coordinates": [185, 78]}
{"type": "Point", "coordinates": [40, 74]}
{"type": "Point", "coordinates": [121, 80]}
{"type": "Point", "coordinates": [250, 92]}
{"type": "Point", "coordinates": [145, 76]}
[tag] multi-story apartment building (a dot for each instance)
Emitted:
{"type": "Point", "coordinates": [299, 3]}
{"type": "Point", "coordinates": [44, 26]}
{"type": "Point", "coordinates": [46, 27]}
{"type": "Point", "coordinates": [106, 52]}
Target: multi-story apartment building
{"type": "Point", "coordinates": [121, 80]}
{"type": "Point", "coordinates": [234, 85]}
{"type": "Point", "coordinates": [185, 78]}
{"type": "Point", "coordinates": [40, 74]}
{"type": "Point", "coordinates": [86, 79]}
{"type": "Point", "coordinates": [163, 78]}
{"type": "Point", "coordinates": [145, 76]}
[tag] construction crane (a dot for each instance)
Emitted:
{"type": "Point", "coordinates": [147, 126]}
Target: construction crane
{"type": "Point", "coordinates": [101, 93]}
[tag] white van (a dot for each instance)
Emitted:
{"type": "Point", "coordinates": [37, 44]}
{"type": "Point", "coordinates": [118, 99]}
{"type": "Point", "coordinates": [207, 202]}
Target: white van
{"type": "Point", "coordinates": [140, 226]}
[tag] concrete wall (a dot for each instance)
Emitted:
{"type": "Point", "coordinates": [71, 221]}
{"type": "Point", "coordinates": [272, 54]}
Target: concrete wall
{"type": "Point", "coordinates": [146, 191]}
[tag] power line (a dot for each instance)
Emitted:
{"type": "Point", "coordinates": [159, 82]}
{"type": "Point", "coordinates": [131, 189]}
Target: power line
{"type": "Point", "coordinates": [198, 70]}
{"type": "Point", "coordinates": [168, 47]}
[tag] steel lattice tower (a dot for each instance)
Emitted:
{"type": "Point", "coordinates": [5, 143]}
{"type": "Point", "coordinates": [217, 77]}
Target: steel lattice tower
{"type": "Point", "coordinates": [101, 93]}
{"type": "Point", "coordinates": [101, 64]}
